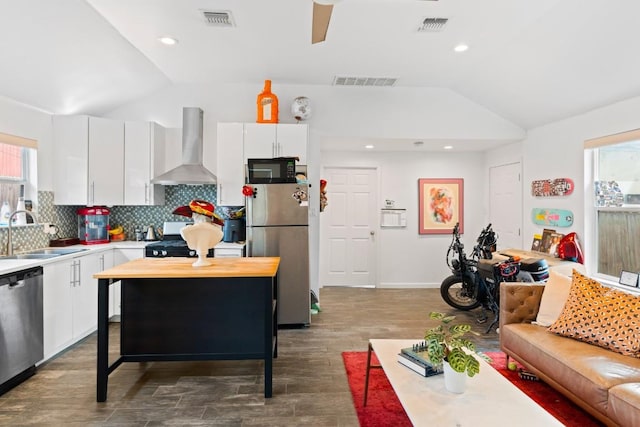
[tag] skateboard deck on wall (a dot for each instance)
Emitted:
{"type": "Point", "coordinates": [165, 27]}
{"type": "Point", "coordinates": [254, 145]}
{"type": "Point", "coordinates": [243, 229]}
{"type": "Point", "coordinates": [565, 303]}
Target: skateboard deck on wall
{"type": "Point", "coordinates": [552, 187]}
{"type": "Point", "coordinates": [553, 217]}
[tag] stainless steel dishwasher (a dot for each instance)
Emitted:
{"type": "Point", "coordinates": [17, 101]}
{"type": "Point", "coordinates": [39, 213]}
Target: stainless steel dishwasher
{"type": "Point", "coordinates": [21, 326]}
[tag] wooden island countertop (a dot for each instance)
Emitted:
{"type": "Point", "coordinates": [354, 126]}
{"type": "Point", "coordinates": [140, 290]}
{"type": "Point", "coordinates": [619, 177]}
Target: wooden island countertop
{"type": "Point", "coordinates": [229, 309]}
{"type": "Point", "coordinates": [174, 267]}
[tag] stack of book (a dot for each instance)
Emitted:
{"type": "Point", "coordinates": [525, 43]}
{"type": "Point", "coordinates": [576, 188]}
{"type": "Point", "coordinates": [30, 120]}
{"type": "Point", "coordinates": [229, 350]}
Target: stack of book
{"type": "Point", "coordinates": [416, 358]}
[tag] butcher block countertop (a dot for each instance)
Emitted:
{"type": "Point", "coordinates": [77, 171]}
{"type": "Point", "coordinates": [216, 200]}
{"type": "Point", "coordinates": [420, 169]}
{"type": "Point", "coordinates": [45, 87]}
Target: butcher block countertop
{"type": "Point", "coordinates": [182, 268]}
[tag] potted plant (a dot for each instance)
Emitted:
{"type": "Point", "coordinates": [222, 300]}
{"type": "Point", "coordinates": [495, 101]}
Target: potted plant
{"type": "Point", "coordinates": [446, 345]}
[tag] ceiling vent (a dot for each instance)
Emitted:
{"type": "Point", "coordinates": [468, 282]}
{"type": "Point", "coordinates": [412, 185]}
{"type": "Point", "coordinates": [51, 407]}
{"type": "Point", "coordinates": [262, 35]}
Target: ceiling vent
{"type": "Point", "coordinates": [433, 25]}
{"type": "Point", "coordinates": [218, 18]}
{"type": "Point", "coordinates": [363, 81]}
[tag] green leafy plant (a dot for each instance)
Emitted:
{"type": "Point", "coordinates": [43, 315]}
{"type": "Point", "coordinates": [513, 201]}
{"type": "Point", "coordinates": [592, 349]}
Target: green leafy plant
{"type": "Point", "coordinates": [447, 342]}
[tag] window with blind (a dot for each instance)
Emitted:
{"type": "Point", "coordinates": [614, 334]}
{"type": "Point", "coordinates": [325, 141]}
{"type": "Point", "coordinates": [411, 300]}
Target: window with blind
{"type": "Point", "coordinates": [616, 202]}
{"type": "Point", "coordinates": [17, 174]}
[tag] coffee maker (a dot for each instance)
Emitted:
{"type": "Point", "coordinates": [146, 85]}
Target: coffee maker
{"type": "Point", "coordinates": [234, 230]}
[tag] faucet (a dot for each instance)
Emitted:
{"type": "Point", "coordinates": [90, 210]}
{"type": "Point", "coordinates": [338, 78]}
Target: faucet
{"type": "Point", "coordinates": [9, 235]}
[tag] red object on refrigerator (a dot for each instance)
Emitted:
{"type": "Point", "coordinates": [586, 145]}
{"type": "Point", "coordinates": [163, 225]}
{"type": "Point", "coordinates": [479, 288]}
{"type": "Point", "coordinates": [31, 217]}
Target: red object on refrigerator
{"type": "Point", "coordinates": [93, 225]}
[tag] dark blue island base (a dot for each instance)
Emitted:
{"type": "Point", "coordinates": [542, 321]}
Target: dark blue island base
{"type": "Point", "coordinates": [190, 318]}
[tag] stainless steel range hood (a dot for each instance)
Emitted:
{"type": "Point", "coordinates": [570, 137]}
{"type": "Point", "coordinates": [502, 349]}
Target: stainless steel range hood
{"type": "Point", "coordinates": [191, 171]}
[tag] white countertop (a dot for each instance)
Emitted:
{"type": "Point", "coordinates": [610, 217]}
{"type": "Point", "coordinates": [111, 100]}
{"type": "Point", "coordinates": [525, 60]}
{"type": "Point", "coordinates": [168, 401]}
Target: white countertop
{"type": "Point", "coordinates": [11, 265]}
{"type": "Point", "coordinates": [230, 245]}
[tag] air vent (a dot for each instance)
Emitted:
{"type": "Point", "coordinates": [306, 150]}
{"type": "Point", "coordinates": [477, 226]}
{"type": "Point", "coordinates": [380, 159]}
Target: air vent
{"type": "Point", "coordinates": [433, 25]}
{"type": "Point", "coordinates": [363, 81]}
{"type": "Point", "coordinates": [218, 18]}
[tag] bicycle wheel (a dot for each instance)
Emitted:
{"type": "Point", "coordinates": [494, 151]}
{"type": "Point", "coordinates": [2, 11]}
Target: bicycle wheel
{"type": "Point", "coordinates": [459, 294]}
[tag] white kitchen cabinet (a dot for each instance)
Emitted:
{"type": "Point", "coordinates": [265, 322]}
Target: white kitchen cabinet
{"type": "Point", "coordinates": [89, 159]}
{"type": "Point", "coordinates": [259, 141]}
{"type": "Point", "coordinates": [70, 299]}
{"type": "Point", "coordinates": [120, 256]}
{"type": "Point", "coordinates": [230, 168]}
{"type": "Point", "coordinates": [85, 293]}
{"type": "Point", "coordinates": [264, 141]}
{"type": "Point", "coordinates": [144, 146]}
{"type": "Point", "coordinates": [57, 306]}
{"type": "Point", "coordinates": [70, 158]}
{"type": "Point", "coordinates": [229, 250]}
{"type": "Point", "coordinates": [106, 162]}
{"type": "Point", "coordinates": [292, 141]}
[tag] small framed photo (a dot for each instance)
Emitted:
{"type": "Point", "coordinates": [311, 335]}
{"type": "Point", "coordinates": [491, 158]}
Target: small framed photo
{"type": "Point", "coordinates": [628, 278]}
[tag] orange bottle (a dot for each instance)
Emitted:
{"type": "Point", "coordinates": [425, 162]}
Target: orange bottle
{"type": "Point", "coordinates": [267, 105]}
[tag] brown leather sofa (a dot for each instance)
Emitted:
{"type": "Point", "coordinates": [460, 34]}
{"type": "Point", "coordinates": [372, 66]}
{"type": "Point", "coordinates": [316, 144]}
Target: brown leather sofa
{"type": "Point", "coordinates": [604, 383]}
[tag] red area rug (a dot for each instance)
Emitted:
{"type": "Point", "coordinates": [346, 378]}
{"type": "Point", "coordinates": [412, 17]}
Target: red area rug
{"type": "Point", "coordinates": [384, 409]}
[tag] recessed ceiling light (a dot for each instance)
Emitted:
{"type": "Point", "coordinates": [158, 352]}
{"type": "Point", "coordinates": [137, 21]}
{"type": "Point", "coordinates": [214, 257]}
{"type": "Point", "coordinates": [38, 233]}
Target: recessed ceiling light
{"type": "Point", "coordinates": [169, 41]}
{"type": "Point", "coordinates": [448, 147]}
{"type": "Point", "coordinates": [461, 47]}
{"type": "Point", "coordinates": [369, 146]}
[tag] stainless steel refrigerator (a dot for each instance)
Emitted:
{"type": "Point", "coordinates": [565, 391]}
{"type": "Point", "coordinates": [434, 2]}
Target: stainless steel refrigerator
{"type": "Point", "coordinates": [278, 225]}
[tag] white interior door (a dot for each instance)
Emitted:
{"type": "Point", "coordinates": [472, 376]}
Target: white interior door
{"type": "Point", "coordinates": [505, 204]}
{"type": "Point", "coordinates": [348, 228]}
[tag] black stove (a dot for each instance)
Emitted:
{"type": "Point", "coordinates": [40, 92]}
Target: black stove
{"type": "Point", "coordinates": [171, 245]}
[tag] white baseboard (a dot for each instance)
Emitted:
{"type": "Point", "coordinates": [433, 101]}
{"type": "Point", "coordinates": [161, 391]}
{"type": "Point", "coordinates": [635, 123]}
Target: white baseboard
{"type": "Point", "coordinates": [390, 285]}
{"type": "Point", "coordinates": [400, 285]}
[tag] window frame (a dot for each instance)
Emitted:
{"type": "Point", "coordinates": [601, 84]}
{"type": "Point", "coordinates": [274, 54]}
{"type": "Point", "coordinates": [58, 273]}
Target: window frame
{"type": "Point", "coordinates": [592, 148]}
{"type": "Point", "coordinates": [25, 153]}
{"type": "Point", "coordinates": [29, 167]}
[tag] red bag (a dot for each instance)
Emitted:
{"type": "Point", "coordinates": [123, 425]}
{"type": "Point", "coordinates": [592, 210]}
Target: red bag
{"type": "Point", "coordinates": [569, 248]}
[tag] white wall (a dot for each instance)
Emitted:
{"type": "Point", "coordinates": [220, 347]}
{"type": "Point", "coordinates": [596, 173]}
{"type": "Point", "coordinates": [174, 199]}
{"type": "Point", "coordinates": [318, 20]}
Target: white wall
{"type": "Point", "coordinates": [428, 113]}
{"type": "Point", "coordinates": [553, 150]}
{"type": "Point", "coordinates": [339, 111]}
{"type": "Point", "coordinates": [406, 258]}
{"type": "Point", "coordinates": [346, 112]}
{"type": "Point", "coordinates": [556, 150]}
{"type": "Point", "coordinates": [21, 120]}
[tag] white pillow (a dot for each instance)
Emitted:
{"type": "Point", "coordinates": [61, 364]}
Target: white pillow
{"type": "Point", "coordinates": [566, 268]}
{"type": "Point", "coordinates": [554, 296]}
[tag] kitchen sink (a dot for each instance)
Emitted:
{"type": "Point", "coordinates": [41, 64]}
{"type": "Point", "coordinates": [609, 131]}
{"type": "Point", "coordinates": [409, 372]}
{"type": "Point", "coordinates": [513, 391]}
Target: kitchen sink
{"type": "Point", "coordinates": [30, 256]}
{"type": "Point", "coordinates": [55, 251]}
{"type": "Point", "coordinates": [44, 253]}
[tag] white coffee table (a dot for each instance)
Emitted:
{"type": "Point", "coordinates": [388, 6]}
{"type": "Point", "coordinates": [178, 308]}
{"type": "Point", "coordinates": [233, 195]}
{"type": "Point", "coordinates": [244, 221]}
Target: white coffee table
{"type": "Point", "coordinates": [489, 400]}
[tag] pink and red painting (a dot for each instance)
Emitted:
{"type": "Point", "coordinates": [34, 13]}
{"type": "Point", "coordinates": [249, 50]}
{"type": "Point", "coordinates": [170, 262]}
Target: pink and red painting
{"type": "Point", "coordinates": [441, 203]}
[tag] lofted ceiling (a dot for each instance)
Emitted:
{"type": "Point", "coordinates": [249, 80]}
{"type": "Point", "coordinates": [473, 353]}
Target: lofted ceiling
{"type": "Point", "coordinates": [530, 62]}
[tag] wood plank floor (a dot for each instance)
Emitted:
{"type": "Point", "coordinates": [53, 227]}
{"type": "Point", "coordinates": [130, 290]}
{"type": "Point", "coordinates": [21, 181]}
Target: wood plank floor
{"type": "Point", "coordinates": [310, 385]}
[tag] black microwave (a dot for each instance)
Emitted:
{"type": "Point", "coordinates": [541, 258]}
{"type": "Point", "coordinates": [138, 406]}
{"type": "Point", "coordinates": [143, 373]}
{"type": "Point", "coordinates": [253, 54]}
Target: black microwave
{"type": "Point", "coordinates": [271, 171]}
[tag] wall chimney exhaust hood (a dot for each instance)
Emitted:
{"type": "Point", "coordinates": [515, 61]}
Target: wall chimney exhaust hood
{"type": "Point", "coordinates": [191, 171]}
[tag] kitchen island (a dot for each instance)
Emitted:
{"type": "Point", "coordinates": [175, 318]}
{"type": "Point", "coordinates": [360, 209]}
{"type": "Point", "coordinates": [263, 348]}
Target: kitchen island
{"type": "Point", "coordinates": [172, 311]}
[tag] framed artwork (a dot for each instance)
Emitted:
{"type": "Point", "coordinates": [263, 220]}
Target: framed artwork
{"type": "Point", "coordinates": [628, 278]}
{"type": "Point", "coordinates": [545, 242]}
{"type": "Point", "coordinates": [440, 205]}
{"type": "Point", "coordinates": [536, 245]}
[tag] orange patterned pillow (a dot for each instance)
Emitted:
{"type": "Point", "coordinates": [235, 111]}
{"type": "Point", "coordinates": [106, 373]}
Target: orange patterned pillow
{"type": "Point", "coordinates": [601, 316]}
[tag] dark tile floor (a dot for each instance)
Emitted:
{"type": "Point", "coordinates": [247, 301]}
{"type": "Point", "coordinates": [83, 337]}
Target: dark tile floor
{"type": "Point", "coordinates": [310, 385]}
